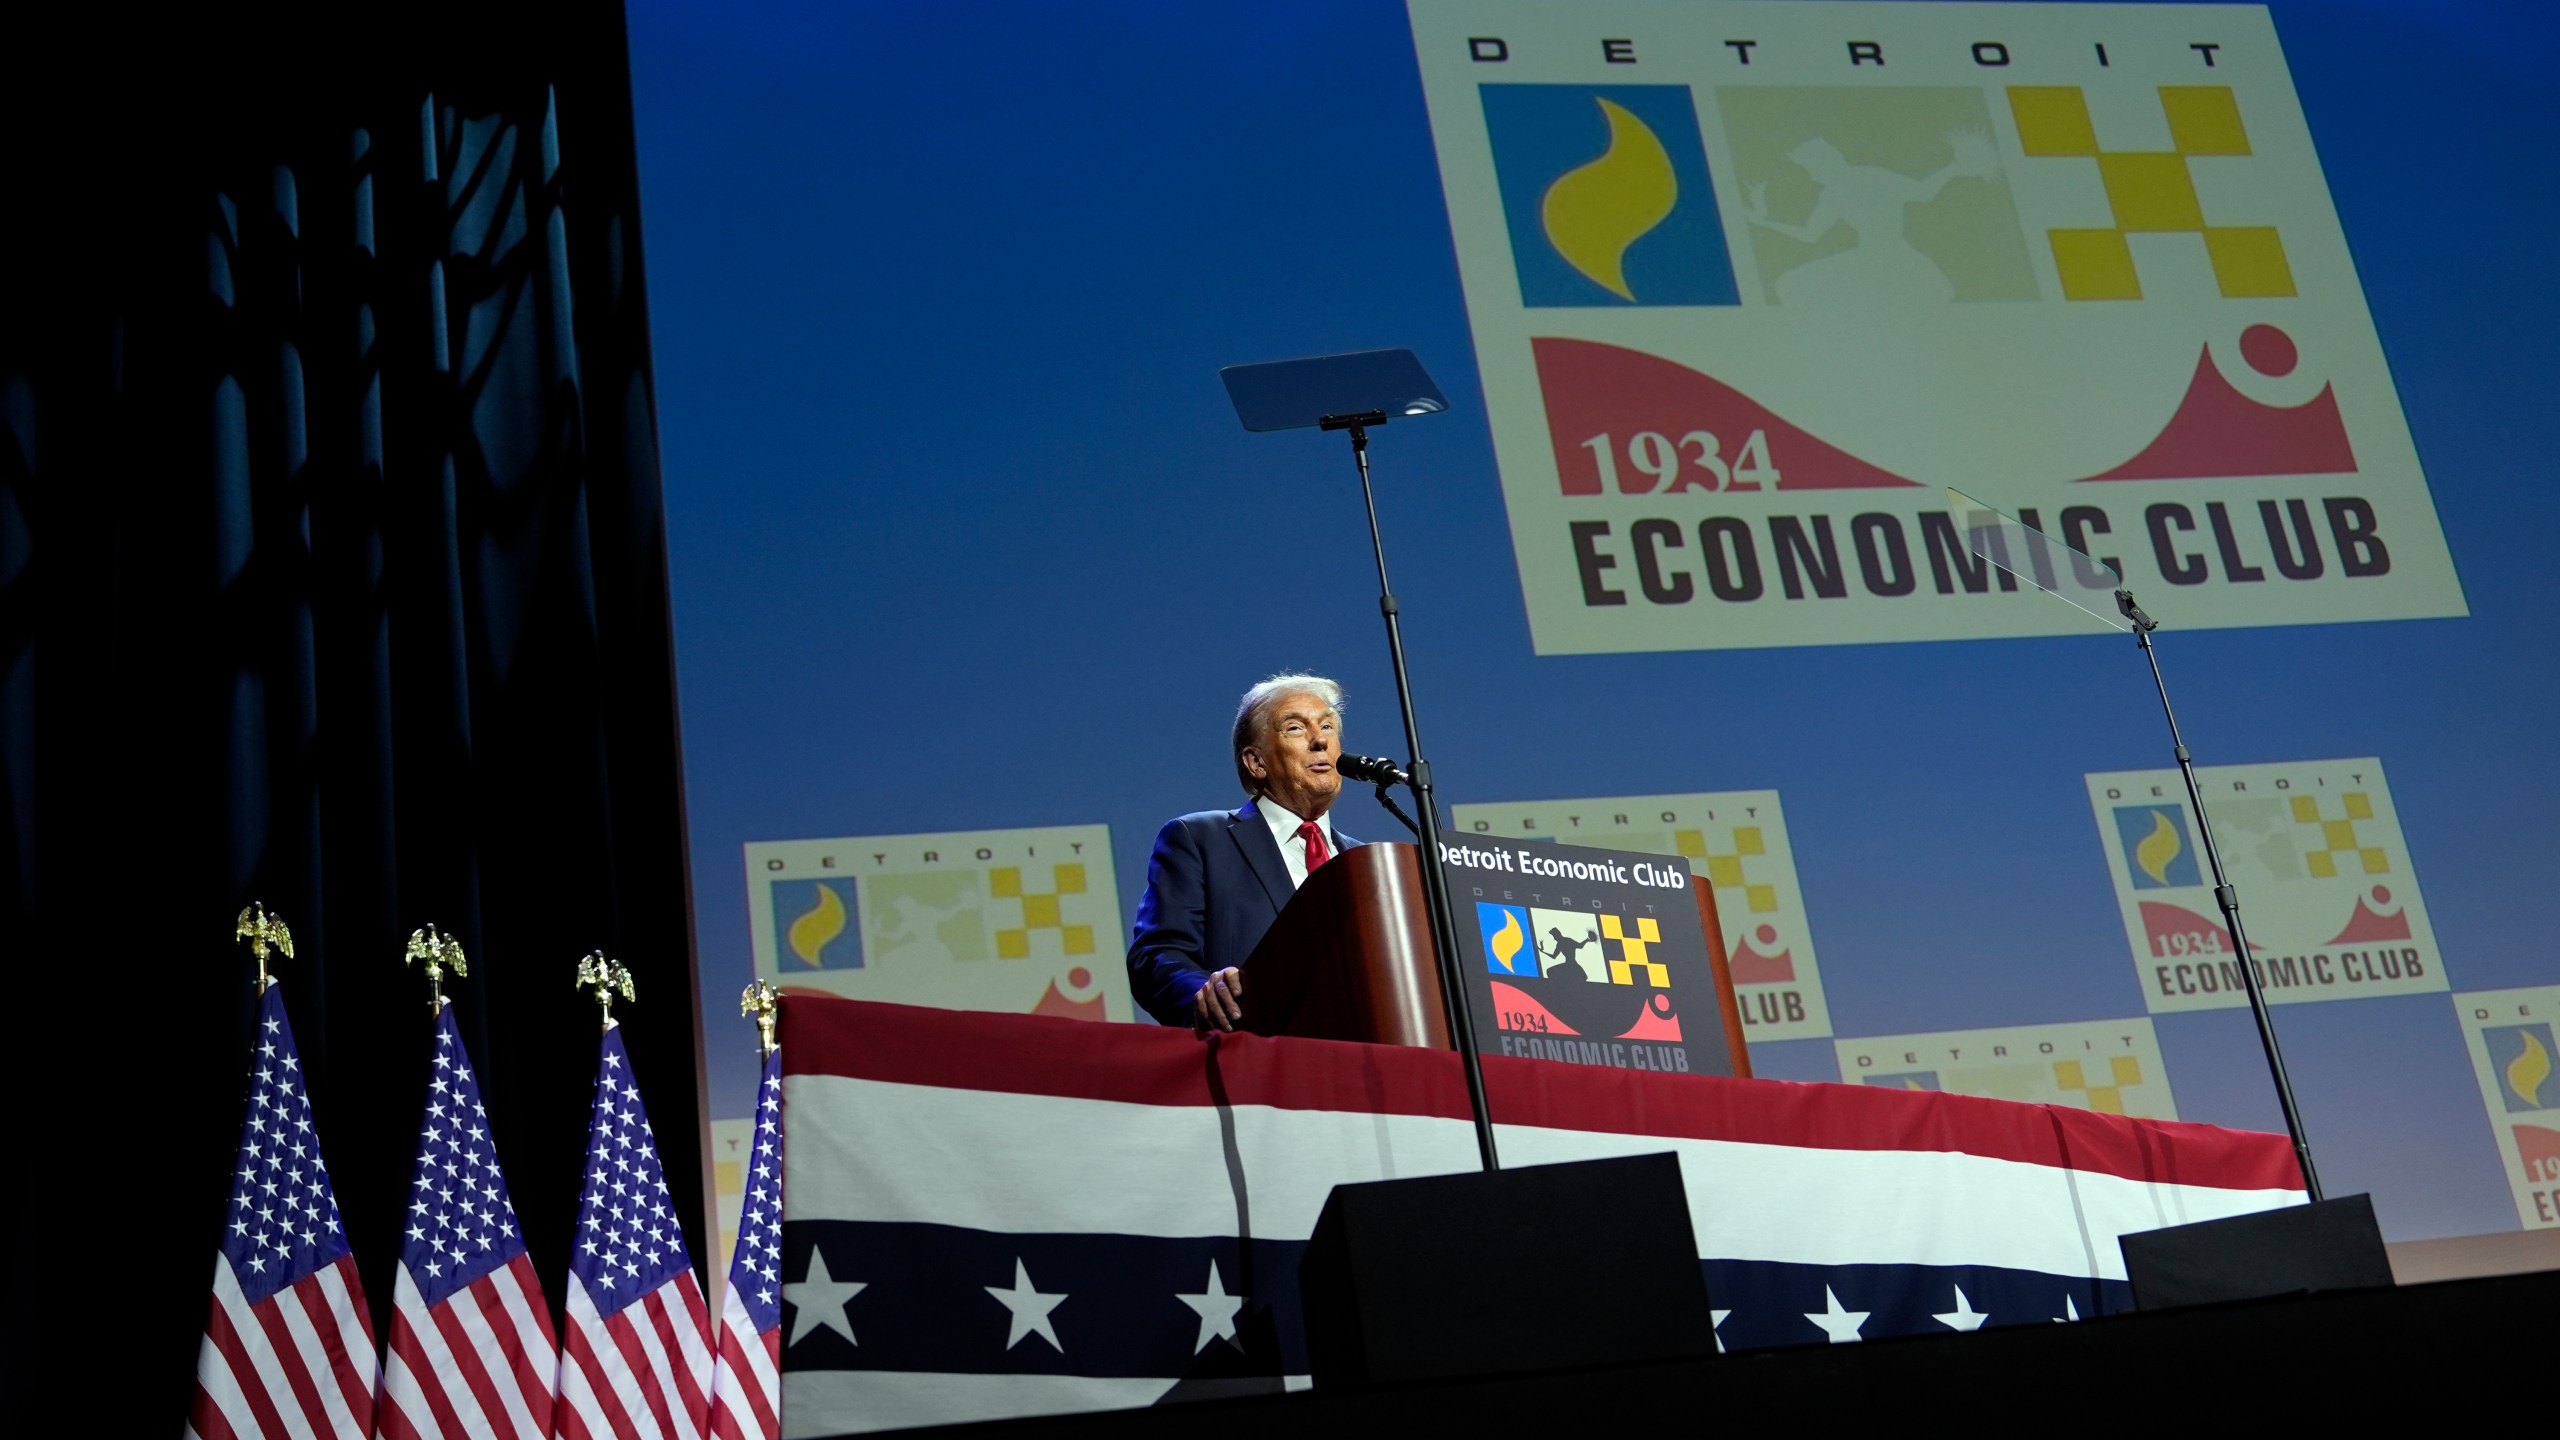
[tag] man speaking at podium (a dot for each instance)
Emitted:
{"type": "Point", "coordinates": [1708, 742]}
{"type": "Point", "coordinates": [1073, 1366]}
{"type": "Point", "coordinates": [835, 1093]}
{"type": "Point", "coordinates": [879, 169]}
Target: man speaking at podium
{"type": "Point", "coordinates": [1218, 878]}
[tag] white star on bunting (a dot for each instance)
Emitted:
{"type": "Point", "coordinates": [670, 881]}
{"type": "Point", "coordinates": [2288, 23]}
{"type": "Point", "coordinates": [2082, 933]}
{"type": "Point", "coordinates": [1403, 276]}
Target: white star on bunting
{"type": "Point", "coordinates": [1217, 1310]}
{"type": "Point", "coordinates": [1841, 1325]}
{"type": "Point", "coordinates": [1028, 1309]}
{"type": "Point", "coordinates": [818, 1300]}
{"type": "Point", "coordinates": [1964, 1316]}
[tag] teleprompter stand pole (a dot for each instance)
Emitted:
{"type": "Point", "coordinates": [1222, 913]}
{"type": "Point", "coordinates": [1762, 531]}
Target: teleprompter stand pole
{"type": "Point", "coordinates": [2227, 896]}
{"type": "Point", "coordinates": [1435, 890]}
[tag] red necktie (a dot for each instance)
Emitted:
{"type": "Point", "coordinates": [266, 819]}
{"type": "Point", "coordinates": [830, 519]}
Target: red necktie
{"type": "Point", "coordinates": [1313, 834]}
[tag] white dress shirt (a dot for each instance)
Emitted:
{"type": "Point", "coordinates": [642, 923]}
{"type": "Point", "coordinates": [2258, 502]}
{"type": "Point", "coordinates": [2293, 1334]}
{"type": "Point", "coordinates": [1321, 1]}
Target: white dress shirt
{"type": "Point", "coordinates": [1293, 848]}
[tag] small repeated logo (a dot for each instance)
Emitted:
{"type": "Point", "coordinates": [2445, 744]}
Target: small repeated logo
{"type": "Point", "coordinates": [2156, 847]}
{"type": "Point", "coordinates": [818, 924]}
{"type": "Point", "coordinates": [1734, 840]}
{"type": "Point", "coordinates": [2314, 848]}
{"type": "Point", "coordinates": [2514, 1037]}
{"type": "Point", "coordinates": [1606, 193]}
{"type": "Point", "coordinates": [2110, 1066]}
{"type": "Point", "coordinates": [2520, 1059]}
{"type": "Point", "coordinates": [979, 920]}
{"type": "Point", "coordinates": [1507, 950]}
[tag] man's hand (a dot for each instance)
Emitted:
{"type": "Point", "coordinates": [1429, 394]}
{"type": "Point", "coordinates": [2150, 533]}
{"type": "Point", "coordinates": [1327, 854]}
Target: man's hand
{"type": "Point", "coordinates": [1219, 1005]}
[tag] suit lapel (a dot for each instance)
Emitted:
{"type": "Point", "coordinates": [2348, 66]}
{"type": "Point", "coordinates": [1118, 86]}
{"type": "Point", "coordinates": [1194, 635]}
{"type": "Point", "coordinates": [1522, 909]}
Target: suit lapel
{"type": "Point", "coordinates": [1261, 853]}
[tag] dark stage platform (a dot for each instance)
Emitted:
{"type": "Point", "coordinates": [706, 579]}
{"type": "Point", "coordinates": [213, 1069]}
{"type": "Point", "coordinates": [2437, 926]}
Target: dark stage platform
{"type": "Point", "coordinates": [2369, 1357]}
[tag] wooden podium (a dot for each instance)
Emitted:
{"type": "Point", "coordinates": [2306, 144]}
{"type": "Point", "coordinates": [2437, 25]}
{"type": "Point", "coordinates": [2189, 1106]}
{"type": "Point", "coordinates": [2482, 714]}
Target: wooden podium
{"type": "Point", "coordinates": [1350, 958]}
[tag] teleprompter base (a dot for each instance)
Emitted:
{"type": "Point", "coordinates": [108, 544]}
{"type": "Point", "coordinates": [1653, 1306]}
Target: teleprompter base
{"type": "Point", "coordinates": [2333, 1245]}
{"type": "Point", "coordinates": [1455, 1275]}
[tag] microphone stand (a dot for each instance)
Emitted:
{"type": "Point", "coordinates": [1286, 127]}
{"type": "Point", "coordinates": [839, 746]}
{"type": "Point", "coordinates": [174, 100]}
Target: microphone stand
{"type": "Point", "coordinates": [1388, 799]}
{"type": "Point", "coordinates": [1435, 891]}
{"type": "Point", "coordinates": [2227, 896]}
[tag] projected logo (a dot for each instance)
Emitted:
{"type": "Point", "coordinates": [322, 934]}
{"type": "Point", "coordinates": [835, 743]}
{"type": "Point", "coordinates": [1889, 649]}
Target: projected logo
{"type": "Point", "coordinates": [818, 924]}
{"type": "Point", "coordinates": [1735, 840]}
{"type": "Point", "coordinates": [2015, 267]}
{"type": "Point", "coordinates": [2155, 844]}
{"type": "Point", "coordinates": [2110, 1066]}
{"type": "Point", "coordinates": [1605, 193]}
{"type": "Point", "coordinates": [2328, 895]}
{"type": "Point", "coordinates": [1588, 956]}
{"type": "Point", "coordinates": [2514, 1038]}
{"type": "Point", "coordinates": [1012, 920]}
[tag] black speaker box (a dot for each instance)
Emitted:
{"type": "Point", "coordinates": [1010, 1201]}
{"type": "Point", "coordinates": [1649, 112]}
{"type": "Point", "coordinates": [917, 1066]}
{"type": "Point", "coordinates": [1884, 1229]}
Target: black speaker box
{"type": "Point", "coordinates": [1537, 1268]}
{"type": "Point", "coordinates": [2334, 1245]}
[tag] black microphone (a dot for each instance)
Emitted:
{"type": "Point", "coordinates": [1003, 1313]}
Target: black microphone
{"type": "Point", "coordinates": [1371, 769]}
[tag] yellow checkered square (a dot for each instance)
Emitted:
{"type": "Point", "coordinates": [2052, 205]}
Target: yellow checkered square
{"type": "Point", "coordinates": [1747, 841]}
{"type": "Point", "coordinates": [2204, 120]}
{"type": "Point", "coordinates": [2094, 265]}
{"type": "Point", "coordinates": [2359, 805]}
{"type": "Point", "coordinates": [1761, 898]}
{"type": "Point", "coordinates": [1070, 878]}
{"type": "Point", "coordinates": [1724, 869]}
{"type": "Point", "coordinates": [1004, 882]}
{"type": "Point", "coordinates": [2248, 261]}
{"type": "Point", "coordinates": [1040, 912]}
{"type": "Point", "coordinates": [1689, 842]}
{"type": "Point", "coordinates": [1013, 944]}
{"type": "Point", "coordinates": [2052, 120]}
{"type": "Point", "coordinates": [2151, 191]}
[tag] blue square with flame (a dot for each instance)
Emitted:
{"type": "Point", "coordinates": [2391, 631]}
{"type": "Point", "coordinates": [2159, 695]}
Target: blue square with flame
{"type": "Point", "coordinates": [1507, 949]}
{"type": "Point", "coordinates": [2521, 1060]}
{"type": "Point", "coordinates": [2159, 854]}
{"type": "Point", "coordinates": [813, 924]}
{"type": "Point", "coordinates": [1607, 197]}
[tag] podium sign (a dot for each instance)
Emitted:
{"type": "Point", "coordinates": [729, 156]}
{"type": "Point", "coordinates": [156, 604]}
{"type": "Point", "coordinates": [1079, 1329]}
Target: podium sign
{"type": "Point", "coordinates": [1585, 957]}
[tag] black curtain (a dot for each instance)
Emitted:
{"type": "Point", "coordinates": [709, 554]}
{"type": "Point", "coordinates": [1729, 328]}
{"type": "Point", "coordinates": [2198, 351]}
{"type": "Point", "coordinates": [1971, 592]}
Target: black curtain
{"type": "Point", "coordinates": [331, 575]}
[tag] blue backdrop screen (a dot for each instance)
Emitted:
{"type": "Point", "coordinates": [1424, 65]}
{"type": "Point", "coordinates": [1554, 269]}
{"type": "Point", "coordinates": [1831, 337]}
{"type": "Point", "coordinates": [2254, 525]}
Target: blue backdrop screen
{"type": "Point", "coordinates": [968, 544]}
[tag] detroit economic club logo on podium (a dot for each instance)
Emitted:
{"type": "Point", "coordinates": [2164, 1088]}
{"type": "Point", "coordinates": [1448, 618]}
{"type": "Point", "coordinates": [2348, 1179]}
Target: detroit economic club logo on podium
{"type": "Point", "coordinates": [2515, 1053]}
{"type": "Point", "coordinates": [1591, 957]}
{"type": "Point", "coordinates": [2327, 890]}
{"type": "Point", "coordinates": [2110, 1066]}
{"type": "Point", "coordinates": [1010, 920]}
{"type": "Point", "coordinates": [1736, 840]}
{"type": "Point", "coordinates": [1750, 283]}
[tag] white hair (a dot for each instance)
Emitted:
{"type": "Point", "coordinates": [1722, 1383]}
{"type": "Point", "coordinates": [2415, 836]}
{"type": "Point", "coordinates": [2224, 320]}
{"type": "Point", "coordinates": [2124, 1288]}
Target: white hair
{"type": "Point", "coordinates": [1254, 711]}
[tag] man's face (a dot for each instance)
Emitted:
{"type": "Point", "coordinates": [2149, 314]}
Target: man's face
{"type": "Point", "coordinates": [1293, 759]}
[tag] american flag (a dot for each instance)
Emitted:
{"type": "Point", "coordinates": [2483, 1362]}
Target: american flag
{"type": "Point", "coordinates": [471, 1340]}
{"type": "Point", "coordinates": [746, 1388]}
{"type": "Point", "coordinates": [288, 1347]}
{"type": "Point", "coordinates": [638, 1358]}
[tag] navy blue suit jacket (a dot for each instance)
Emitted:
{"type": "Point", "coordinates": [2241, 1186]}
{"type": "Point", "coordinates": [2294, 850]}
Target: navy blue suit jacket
{"type": "Point", "coordinates": [1214, 885]}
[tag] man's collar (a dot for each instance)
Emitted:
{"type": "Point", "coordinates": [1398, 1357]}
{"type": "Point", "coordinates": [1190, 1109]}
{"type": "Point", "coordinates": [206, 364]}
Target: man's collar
{"type": "Point", "coordinates": [1284, 822]}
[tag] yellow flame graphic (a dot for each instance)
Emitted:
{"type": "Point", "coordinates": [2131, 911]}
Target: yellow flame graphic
{"type": "Point", "coordinates": [2529, 1069]}
{"type": "Point", "coordinates": [1595, 212]}
{"type": "Point", "coordinates": [824, 922]}
{"type": "Point", "coordinates": [2158, 848]}
{"type": "Point", "coordinates": [1507, 942]}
